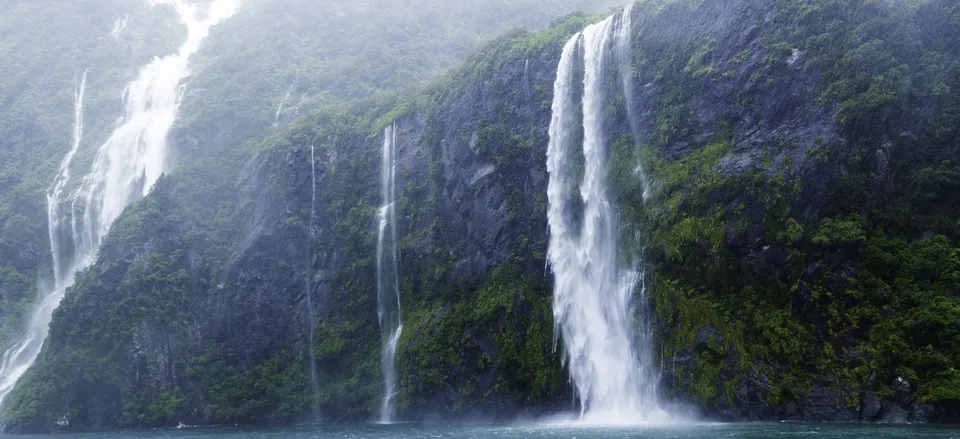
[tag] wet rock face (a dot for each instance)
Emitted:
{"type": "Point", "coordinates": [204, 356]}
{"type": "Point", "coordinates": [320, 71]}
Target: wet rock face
{"type": "Point", "coordinates": [262, 275]}
{"type": "Point", "coordinates": [766, 98]}
{"type": "Point", "coordinates": [490, 141]}
{"type": "Point", "coordinates": [485, 148]}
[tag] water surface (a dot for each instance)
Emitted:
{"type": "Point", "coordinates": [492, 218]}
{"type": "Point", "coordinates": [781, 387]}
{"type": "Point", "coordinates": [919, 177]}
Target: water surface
{"type": "Point", "coordinates": [545, 431]}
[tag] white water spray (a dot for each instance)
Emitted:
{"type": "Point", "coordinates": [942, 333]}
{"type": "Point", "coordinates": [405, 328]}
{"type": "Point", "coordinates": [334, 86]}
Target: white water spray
{"type": "Point", "coordinates": [13, 366]}
{"type": "Point", "coordinates": [388, 291]}
{"type": "Point", "coordinates": [593, 305]}
{"type": "Point", "coordinates": [623, 40]}
{"type": "Point", "coordinates": [125, 168]}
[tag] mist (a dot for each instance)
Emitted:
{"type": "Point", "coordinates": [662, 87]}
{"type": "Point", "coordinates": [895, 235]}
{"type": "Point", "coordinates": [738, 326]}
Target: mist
{"type": "Point", "coordinates": [396, 218]}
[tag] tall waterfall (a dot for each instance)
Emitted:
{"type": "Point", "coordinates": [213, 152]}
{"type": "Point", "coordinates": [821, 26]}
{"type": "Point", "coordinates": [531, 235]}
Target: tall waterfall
{"type": "Point", "coordinates": [610, 367]}
{"type": "Point", "coordinates": [17, 359]}
{"type": "Point", "coordinates": [388, 291]}
{"type": "Point", "coordinates": [125, 168]}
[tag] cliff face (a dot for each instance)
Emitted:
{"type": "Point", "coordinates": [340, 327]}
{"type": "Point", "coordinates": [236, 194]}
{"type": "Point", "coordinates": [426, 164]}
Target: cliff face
{"type": "Point", "coordinates": [791, 155]}
{"type": "Point", "coordinates": [798, 238]}
{"type": "Point", "coordinates": [199, 308]}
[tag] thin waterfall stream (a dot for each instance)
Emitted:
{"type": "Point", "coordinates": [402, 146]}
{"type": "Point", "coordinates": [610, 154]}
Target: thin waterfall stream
{"type": "Point", "coordinates": [308, 276]}
{"type": "Point", "coordinates": [19, 358]}
{"type": "Point", "coordinates": [388, 291]}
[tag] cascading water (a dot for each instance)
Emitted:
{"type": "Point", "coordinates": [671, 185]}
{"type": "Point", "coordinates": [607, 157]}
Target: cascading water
{"type": "Point", "coordinates": [63, 175]}
{"type": "Point", "coordinates": [125, 168]}
{"type": "Point", "coordinates": [623, 36]}
{"type": "Point", "coordinates": [610, 368]}
{"type": "Point", "coordinates": [119, 26]}
{"type": "Point", "coordinates": [17, 359]}
{"type": "Point", "coordinates": [388, 291]}
{"type": "Point", "coordinates": [283, 102]}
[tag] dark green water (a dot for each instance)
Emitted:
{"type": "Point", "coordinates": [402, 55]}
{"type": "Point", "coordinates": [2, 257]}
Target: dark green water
{"type": "Point", "coordinates": [536, 431]}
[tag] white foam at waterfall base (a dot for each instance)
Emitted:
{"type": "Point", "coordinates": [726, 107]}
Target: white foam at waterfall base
{"type": "Point", "coordinates": [124, 170]}
{"type": "Point", "coordinates": [611, 368]}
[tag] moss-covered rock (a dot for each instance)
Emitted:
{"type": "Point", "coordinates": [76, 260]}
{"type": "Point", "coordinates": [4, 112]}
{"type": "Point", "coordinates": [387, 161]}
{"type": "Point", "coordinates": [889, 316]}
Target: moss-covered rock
{"type": "Point", "coordinates": [785, 169]}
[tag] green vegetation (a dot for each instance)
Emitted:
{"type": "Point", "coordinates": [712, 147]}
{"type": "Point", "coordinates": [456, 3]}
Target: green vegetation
{"type": "Point", "coordinates": [780, 248]}
{"type": "Point", "coordinates": [274, 391]}
{"type": "Point", "coordinates": [486, 341]}
{"type": "Point", "coordinates": [170, 325]}
{"type": "Point", "coordinates": [496, 340]}
{"type": "Point", "coordinates": [855, 289]}
{"type": "Point", "coordinates": [45, 48]}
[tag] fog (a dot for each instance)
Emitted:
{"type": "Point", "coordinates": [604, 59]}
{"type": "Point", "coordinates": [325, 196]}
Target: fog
{"type": "Point", "coordinates": [220, 212]}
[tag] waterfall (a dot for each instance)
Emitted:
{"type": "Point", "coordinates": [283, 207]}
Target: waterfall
{"type": "Point", "coordinates": [125, 168]}
{"type": "Point", "coordinates": [63, 175]}
{"type": "Point", "coordinates": [19, 358]}
{"type": "Point", "coordinates": [314, 379]}
{"type": "Point", "coordinates": [388, 291]}
{"type": "Point", "coordinates": [286, 97]}
{"type": "Point", "coordinates": [624, 35]}
{"type": "Point", "coordinates": [119, 26]}
{"type": "Point", "coordinates": [610, 367]}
